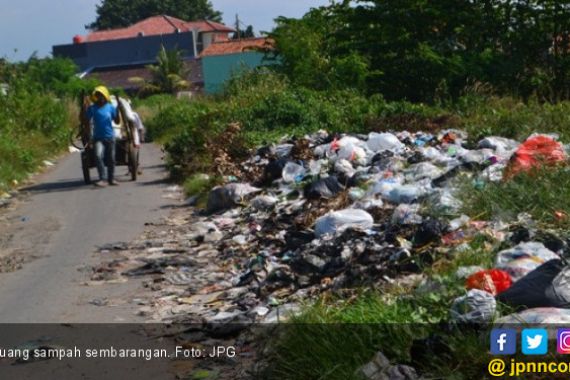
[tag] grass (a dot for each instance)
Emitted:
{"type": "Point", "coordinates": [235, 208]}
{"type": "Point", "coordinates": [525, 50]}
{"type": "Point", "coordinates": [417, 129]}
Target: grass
{"type": "Point", "coordinates": [332, 339]}
{"type": "Point", "coordinates": [30, 137]}
{"type": "Point", "coordinates": [543, 193]}
{"type": "Point", "coordinates": [199, 185]}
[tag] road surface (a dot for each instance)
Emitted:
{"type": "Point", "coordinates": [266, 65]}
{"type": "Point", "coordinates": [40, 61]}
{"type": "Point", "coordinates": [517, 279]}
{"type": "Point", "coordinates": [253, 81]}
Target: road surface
{"type": "Point", "coordinates": [56, 230]}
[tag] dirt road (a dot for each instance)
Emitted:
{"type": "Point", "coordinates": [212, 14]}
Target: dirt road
{"type": "Point", "coordinates": [52, 236]}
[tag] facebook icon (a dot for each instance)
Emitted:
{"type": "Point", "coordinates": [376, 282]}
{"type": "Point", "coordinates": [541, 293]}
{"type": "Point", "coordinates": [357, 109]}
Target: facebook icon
{"type": "Point", "coordinates": [503, 341]}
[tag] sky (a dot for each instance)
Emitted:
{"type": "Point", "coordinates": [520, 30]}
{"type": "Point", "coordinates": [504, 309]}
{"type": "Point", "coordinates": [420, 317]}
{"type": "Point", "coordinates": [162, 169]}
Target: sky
{"type": "Point", "coordinates": [28, 26]}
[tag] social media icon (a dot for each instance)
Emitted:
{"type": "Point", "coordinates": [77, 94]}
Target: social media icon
{"type": "Point", "coordinates": [504, 341]}
{"type": "Point", "coordinates": [563, 341]}
{"type": "Point", "coordinates": [534, 341]}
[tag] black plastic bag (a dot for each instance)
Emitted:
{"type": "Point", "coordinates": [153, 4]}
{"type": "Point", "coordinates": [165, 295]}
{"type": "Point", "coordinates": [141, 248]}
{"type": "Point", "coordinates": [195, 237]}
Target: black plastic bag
{"type": "Point", "coordinates": [546, 286]}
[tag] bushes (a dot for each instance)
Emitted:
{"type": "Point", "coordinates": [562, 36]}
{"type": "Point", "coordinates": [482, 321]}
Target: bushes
{"type": "Point", "coordinates": [33, 124]}
{"type": "Point", "coordinates": [264, 105]}
{"type": "Point", "coordinates": [268, 107]}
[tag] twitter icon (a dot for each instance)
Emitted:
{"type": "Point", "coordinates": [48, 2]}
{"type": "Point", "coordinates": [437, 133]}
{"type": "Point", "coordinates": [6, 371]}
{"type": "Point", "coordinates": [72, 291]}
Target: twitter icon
{"type": "Point", "coordinates": [534, 341]}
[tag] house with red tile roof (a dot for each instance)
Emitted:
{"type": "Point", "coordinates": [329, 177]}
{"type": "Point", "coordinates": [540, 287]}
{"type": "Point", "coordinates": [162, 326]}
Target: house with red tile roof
{"type": "Point", "coordinates": [115, 55]}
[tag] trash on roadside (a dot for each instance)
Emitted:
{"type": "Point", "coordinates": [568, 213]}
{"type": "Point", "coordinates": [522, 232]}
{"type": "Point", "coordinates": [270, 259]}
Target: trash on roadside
{"type": "Point", "coordinates": [546, 286]}
{"type": "Point", "coordinates": [537, 316]}
{"type": "Point", "coordinates": [477, 306]}
{"type": "Point", "coordinates": [524, 258]}
{"type": "Point", "coordinates": [337, 221]}
{"type": "Point", "coordinates": [535, 152]}
{"type": "Point", "coordinates": [493, 281]}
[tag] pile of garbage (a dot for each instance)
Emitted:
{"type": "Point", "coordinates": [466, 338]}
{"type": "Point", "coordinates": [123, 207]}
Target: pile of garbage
{"type": "Point", "coordinates": [330, 213]}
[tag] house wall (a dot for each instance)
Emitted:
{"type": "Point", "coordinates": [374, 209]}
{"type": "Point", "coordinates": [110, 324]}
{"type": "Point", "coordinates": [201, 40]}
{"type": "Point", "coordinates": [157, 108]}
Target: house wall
{"type": "Point", "coordinates": [127, 51]}
{"type": "Point", "coordinates": [218, 69]}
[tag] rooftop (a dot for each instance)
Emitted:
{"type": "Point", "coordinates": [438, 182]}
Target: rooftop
{"type": "Point", "coordinates": [238, 46]}
{"type": "Point", "coordinates": [158, 25]}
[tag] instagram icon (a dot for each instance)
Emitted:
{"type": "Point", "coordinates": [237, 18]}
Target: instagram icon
{"type": "Point", "coordinates": [563, 341]}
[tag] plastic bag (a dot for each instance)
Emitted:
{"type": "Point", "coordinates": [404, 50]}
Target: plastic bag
{"type": "Point", "coordinates": [368, 203]}
{"type": "Point", "coordinates": [521, 267]}
{"type": "Point", "coordinates": [493, 281]}
{"type": "Point", "coordinates": [458, 222]}
{"type": "Point", "coordinates": [378, 142]}
{"type": "Point", "coordinates": [535, 152]}
{"type": "Point", "coordinates": [323, 188]}
{"type": "Point", "coordinates": [434, 155]}
{"type": "Point", "coordinates": [524, 258]}
{"type": "Point", "coordinates": [548, 285]}
{"type": "Point", "coordinates": [385, 185]}
{"type": "Point", "coordinates": [407, 214]}
{"type": "Point", "coordinates": [283, 150]}
{"type": "Point", "coordinates": [422, 170]}
{"type": "Point", "coordinates": [344, 168]}
{"type": "Point", "coordinates": [337, 221]}
{"type": "Point", "coordinates": [315, 167]}
{"type": "Point", "coordinates": [263, 202]}
{"type": "Point", "coordinates": [406, 193]}
{"type": "Point", "coordinates": [293, 172]}
{"type": "Point", "coordinates": [445, 201]}
{"type": "Point", "coordinates": [356, 194]}
{"type": "Point", "coordinates": [225, 197]}
{"type": "Point", "coordinates": [274, 170]}
{"type": "Point", "coordinates": [537, 316]}
{"type": "Point", "coordinates": [503, 146]}
{"type": "Point", "coordinates": [353, 153]}
{"type": "Point", "coordinates": [477, 306]}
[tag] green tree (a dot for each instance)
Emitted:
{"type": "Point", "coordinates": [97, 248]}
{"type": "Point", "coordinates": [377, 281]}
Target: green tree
{"type": "Point", "coordinates": [419, 51]}
{"type": "Point", "coordinates": [168, 75]}
{"type": "Point", "coordinates": [121, 13]}
{"type": "Point", "coordinates": [313, 53]}
{"type": "Point", "coordinates": [244, 33]}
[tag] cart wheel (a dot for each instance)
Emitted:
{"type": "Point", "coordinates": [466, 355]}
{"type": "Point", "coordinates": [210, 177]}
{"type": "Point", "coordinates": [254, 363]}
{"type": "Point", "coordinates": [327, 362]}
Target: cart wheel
{"type": "Point", "coordinates": [85, 167]}
{"type": "Point", "coordinates": [133, 163]}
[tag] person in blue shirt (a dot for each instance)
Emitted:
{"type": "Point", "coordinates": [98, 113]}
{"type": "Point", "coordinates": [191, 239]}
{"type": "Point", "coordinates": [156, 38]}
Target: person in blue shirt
{"type": "Point", "coordinates": [103, 113]}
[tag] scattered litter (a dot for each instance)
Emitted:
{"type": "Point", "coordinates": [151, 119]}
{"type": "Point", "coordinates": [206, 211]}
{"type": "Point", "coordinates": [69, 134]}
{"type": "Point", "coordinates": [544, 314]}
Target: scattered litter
{"type": "Point", "coordinates": [493, 281]}
{"type": "Point", "coordinates": [337, 221]}
{"type": "Point", "coordinates": [477, 306]}
{"type": "Point", "coordinates": [537, 316]}
{"type": "Point", "coordinates": [546, 286]}
{"type": "Point", "coordinates": [535, 152]}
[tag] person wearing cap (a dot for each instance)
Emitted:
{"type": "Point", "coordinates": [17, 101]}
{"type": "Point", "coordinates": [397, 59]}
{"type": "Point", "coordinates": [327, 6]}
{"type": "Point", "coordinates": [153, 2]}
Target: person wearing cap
{"type": "Point", "coordinates": [103, 113]}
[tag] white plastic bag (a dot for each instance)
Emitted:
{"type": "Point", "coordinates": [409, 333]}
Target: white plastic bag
{"type": "Point", "coordinates": [337, 221]}
{"type": "Point", "coordinates": [407, 214]}
{"type": "Point", "coordinates": [406, 193]}
{"type": "Point", "coordinates": [379, 142]}
{"type": "Point", "coordinates": [293, 172]}
{"type": "Point", "coordinates": [422, 170]}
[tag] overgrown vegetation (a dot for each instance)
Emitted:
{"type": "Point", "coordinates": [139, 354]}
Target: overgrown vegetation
{"type": "Point", "coordinates": [333, 339]}
{"type": "Point", "coordinates": [37, 114]}
{"type": "Point", "coordinates": [543, 193]}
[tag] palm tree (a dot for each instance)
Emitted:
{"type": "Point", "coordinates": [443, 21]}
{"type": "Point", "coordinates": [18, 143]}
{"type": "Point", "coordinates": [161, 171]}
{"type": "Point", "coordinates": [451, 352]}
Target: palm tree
{"type": "Point", "coordinates": [167, 75]}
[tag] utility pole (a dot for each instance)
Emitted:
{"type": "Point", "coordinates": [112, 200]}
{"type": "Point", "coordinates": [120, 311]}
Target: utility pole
{"type": "Point", "coordinates": [237, 27]}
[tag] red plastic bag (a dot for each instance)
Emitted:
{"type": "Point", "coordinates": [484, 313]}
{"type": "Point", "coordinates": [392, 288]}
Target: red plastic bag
{"type": "Point", "coordinates": [493, 281]}
{"type": "Point", "coordinates": [535, 152]}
